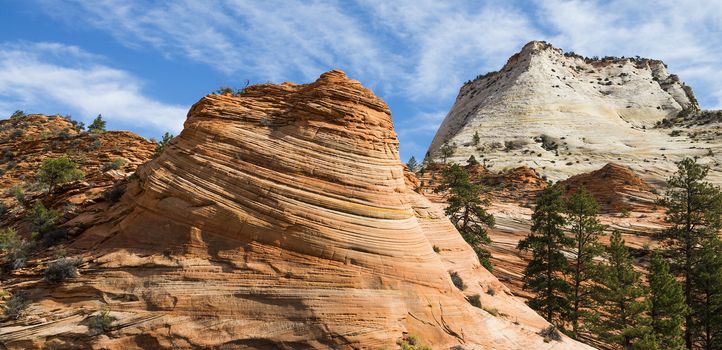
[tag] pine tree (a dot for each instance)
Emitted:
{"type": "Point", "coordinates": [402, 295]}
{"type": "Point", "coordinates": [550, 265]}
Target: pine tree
{"type": "Point", "coordinates": [465, 208]}
{"type": "Point", "coordinates": [98, 125]}
{"type": "Point", "coordinates": [161, 145]}
{"type": "Point", "coordinates": [543, 274]}
{"type": "Point", "coordinates": [447, 151]}
{"type": "Point", "coordinates": [412, 164]}
{"type": "Point", "coordinates": [620, 315]}
{"type": "Point", "coordinates": [582, 210]}
{"type": "Point", "coordinates": [666, 302]}
{"type": "Point", "coordinates": [476, 139]}
{"type": "Point", "coordinates": [694, 210]}
{"type": "Point", "coordinates": [707, 296]}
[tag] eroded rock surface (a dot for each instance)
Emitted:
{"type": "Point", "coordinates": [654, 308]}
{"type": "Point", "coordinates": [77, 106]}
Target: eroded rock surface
{"type": "Point", "coordinates": [563, 114]}
{"type": "Point", "coordinates": [279, 218]}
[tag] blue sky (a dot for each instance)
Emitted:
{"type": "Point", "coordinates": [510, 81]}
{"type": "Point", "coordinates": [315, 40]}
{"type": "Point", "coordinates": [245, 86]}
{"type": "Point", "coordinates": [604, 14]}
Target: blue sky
{"type": "Point", "coordinates": [142, 64]}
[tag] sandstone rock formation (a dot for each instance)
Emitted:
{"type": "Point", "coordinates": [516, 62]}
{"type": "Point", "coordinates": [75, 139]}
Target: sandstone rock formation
{"type": "Point", "coordinates": [616, 188]}
{"type": "Point", "coordinates": [563, 114]}
{"type": "Point", "coordinates": [279, 218]}
{"type": "Point", "coordinates": [104, 158]}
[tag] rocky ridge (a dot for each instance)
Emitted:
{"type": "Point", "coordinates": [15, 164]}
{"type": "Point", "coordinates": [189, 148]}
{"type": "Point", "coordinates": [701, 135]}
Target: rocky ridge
{"type": "Point", "coordinates": [280, 217]}
{"type": "Point", "coordinates": [563, 114]}
{"type": "Point", "coordinates": [26, 141]}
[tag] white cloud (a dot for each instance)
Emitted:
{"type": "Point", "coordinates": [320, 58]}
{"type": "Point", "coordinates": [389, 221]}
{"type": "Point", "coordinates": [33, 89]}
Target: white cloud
{"type": "Point", "coordinates": [685, 34]}
{"type": "Point", "coordinates": [38, 76]}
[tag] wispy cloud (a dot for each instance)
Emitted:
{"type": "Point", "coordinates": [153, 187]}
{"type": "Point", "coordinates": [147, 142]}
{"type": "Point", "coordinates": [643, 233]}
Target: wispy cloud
{"type": "Point", "coordinates": [685, 34]}
{"type": "Point", "coordinates": [416, 52]}
{"type": "Point", "coordinates": [39, 76]}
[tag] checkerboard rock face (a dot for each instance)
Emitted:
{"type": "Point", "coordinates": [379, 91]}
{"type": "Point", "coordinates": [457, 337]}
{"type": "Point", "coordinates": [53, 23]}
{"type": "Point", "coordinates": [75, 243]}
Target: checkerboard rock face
{"type": "Point", "coordinates": [281, 217]}
{"type": "Point", "coordinates": [563, 114]}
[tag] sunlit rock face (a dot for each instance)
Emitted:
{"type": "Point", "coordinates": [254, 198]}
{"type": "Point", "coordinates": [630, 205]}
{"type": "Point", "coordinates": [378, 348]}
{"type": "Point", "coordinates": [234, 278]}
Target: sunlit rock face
{"type": "Point", "coordinates": [562, 115]}
{"type": "Point", "coordinates": [279, 218]}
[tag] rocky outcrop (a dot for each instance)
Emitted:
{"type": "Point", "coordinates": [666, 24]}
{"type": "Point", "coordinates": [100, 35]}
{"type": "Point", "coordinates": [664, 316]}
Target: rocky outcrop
{"type": "Point", "coordinates": [616, 188]}
{"type": "Point", "coordinates": [279, 218]}
{"type": "Point", "coordinates": [28, 140]}
{"type": "Point", "coordinates": [564, 114]}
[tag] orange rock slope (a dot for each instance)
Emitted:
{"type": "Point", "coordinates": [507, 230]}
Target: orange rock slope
{"type": "Point", "coordinates": [28, 140]}
{"type": "Point", "coordinates": [279, 218]}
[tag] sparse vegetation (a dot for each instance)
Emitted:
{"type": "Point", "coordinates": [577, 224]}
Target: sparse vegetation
{"type": "Point", "coordinates": [114, 164]}
{"type": "Point", "coordinates": [412, 342]}
{"type": "Point", "coordinates": [447, 151]}
{"type": "Point", "coordinates": [57, 171]}
{"type": "Point", "coordinates": [475, 300]}
{"type": "Point", "coordinates": [102, 322]}
{"type": "Point", "coordinates": [456, 279]}
{"type": "Point", "coordinates": [550, 333]}
{"type": "Point", "coordinates": [62, 270]}
{"type": "Point", "coordinates": [15, 307]}
{"type": "Point", "coordinates": [412, 164]}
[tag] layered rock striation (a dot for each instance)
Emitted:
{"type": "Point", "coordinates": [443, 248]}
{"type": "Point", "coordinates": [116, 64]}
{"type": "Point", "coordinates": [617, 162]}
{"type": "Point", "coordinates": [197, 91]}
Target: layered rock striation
{"type": "Point", "coordinates": [279, 218]}
{"type": "Point", "coordinates": [564, 114]}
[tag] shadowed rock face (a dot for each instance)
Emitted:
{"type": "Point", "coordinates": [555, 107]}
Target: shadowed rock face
{"type": "Point", "coordinates": [279, 218]}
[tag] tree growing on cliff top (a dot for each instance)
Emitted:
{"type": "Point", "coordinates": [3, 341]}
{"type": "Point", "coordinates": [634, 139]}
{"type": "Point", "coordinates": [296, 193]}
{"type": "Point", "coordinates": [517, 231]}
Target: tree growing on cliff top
{"type": "Point", "coordinates": [57, 171]}
{"type": "Point", "coordinates": [98, 125]}
{"type": "Point", "coordinates": [466, 209]}
{"type": "Point", "coordinates": [543, 274]}
{"type": "Point", "coordinates": [694, 215]}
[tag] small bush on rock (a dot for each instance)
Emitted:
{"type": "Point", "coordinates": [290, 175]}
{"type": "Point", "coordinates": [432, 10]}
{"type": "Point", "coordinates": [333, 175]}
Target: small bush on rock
{"type": "Point", "coordinates": [456, 279]}
{"type": "Point", "coordinates": [101, 322]}
{"type": "Point", "coordinates": [551, 333]}
{"type": "Point", "coordinates": [61, 270]}
{"type": "Point", "coordinates": [475, 300]}
{"type": "Point", "coordinates": [15, 307]}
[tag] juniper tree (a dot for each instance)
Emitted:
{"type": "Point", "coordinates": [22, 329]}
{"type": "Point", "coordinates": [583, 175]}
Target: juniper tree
{"type": "Point", "coordinates": [619, 315]}
{"type": "Point", "coordinates": [56, 171]}
{"type": "Point", "coordinates": [466, 209]}
{"type": "Point", "coordinates": [412, 164]}
{"type": "Point", "coordinates": [666, 305]}
{"type": "Point", "coordinates": [694, 210]}
{"type": "Point", "coordinates": [543, 274]}
{"type": "Point", "coordinates": [582, 210]}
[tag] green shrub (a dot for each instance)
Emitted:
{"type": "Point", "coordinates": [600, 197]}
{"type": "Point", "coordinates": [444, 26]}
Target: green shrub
{"type": "Point", "coordinates": [491, 291]}
{"type": "Point", "coordinates": [16, 249]}
{"type": "Point", "coordinates": [18, 193]}
{"type": "Point", "coordinates": [475, 300]}
{"type": "Point", "coordinates": [62, 270]}
{"type": "Point", "coordinates": [57, 171]}
{"type": "Point", "coordinates": [42, 220]}
{"type": "Point", "coordinates": [15, 307]}
{"type": "Point", "coordinates": [17, 115]}
{"type": "Point", "coordinates": [101, 322]}
{"type": "Point", "coordinates": [456, 279]}
{"type": "Point", "coordinates": [114, 164]}
{"type": "Point", "coordinates": [551, 333]}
